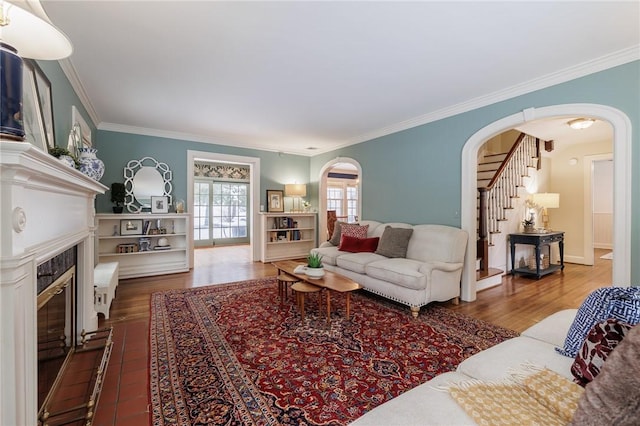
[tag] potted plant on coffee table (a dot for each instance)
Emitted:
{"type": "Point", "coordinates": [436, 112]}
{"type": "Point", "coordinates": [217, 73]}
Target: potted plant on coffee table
{"type": "Point", "coordinates": [117, 196]}
{"type": "Point", "coordinates": [314, 266]}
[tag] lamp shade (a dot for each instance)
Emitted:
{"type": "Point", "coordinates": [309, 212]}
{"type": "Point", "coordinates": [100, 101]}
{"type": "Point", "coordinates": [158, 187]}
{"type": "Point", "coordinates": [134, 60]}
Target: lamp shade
{"type": "Point", "coordinates": [547, 200]}
{"type": "Point", "coordinates": [30, 32]}
{"type": "Point", "coordinates": [295, 190]}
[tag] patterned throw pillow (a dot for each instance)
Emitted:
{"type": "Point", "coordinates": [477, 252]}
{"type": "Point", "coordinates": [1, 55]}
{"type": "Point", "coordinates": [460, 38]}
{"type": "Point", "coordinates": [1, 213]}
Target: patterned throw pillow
{"type": "Point", "coordinates": [356, 231]}
{"type": "Point", "coordinates": [613, 397]}
{"type": "Point", "coordinates": [600, 342]}
{"type": "Point", "coordinates": [603, 303]}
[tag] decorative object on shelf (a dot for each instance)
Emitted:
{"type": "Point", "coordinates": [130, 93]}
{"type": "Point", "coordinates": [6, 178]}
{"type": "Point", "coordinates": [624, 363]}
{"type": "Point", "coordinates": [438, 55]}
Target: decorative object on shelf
{"type": "Point", "coordinates": [295, 191]}
{"type": "Point", "coordinates": [306, 205]}
{"type": "Point", "coordinates": [145, 243]}
{"type": "Point", "coordinates": [275, 201]}
{"type": "Point", "coordinates": [91, 165]}
{"type": "Point", "coordinates": [117, 196]}
{"type": "Point", "coordinates": [179, 206]}
{"type": "Point", "coordinates": [314, 267]}
{"type": "Point", "coordinates": [64, 156]}
{"type": "Point", "coordinates": [131, 227]}
{"type": "Point", "coordinates": [159, 204]}
{"type": "Point", "coordinates": [19, 24]}
{"type": "Point", "coordinates": [546, 200]}
{"type": "Point", "coordinates": [145, 178]}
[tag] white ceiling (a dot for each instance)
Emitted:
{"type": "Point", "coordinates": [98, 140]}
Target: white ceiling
{"type": "Point", "coordinates": [291, 76]}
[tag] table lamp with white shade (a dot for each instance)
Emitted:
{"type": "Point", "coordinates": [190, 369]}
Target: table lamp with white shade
{"type": "Point", "coordinates": [295, 191]}
{"type": "Point", "coordinates": [546, 200]}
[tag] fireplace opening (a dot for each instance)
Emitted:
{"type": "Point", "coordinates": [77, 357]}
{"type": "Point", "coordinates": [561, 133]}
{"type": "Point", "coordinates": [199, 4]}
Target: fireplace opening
{"type": "Point", "coordinates": [56, 318]}
{"type": "Point", "coordinates": [71, 362]}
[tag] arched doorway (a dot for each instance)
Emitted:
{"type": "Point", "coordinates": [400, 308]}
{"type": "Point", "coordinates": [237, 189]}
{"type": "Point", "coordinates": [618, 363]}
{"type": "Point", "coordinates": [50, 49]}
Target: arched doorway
{"type": "Point", "coordinates": [621, 182]}
{"type": "Point", "coordinates": [322, 190]}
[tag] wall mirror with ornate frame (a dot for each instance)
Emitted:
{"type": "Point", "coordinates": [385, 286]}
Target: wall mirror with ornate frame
{"type": "Point", "coordinates": [143, 179]}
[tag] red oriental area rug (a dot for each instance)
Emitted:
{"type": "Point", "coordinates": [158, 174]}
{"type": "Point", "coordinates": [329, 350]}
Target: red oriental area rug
{"type": "Point", "coordinates": [232, 354]}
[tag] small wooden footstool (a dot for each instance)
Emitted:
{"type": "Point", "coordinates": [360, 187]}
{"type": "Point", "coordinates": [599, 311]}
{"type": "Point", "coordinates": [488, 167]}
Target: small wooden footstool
{"type": "Point", "coordinates": [283, 281]}
{"type": "Point", "coordinates": [301, 288]}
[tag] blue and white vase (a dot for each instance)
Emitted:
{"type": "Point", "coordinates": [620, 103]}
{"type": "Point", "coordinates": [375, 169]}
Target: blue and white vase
{"type": "Point", "coordinates": [91, 165]}
{"type": "Point", "coordinates": [67, 160]}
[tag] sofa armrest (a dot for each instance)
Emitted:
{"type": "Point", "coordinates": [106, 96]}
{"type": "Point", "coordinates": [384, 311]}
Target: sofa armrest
{"type": "Point", "coordinates": [326, 244]}
{"type": "Point", "coordinates": [429, 267]}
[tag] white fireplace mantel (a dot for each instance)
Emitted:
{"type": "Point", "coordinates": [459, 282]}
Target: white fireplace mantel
{"type": "Point", "coordinates": [47, 207]}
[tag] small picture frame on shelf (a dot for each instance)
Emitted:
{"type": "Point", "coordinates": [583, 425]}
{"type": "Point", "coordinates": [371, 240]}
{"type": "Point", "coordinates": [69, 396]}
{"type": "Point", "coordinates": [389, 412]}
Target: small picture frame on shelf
{"type": "Point", "coordinates": [275, 200]}
{"type": "Point", "coordinates": [159, 204]}
{"type": "Point", "coordinates": [131, 227]}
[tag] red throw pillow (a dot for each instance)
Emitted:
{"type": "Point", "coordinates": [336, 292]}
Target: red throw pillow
{"type": "Point", "coordinates": [358, 245]}
{"type": "Point", "coordinates": [597, 346]}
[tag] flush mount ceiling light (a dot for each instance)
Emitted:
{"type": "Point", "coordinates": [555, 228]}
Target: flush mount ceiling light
{"type": "Point", "coordinates": [581, 123]}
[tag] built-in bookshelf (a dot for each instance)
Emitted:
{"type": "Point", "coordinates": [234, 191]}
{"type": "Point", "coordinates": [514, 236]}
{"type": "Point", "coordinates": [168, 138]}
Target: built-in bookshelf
{"type": "Point", "coordinates": [144, 244]}
{"type": "Point", "coordinates": [287, 235]}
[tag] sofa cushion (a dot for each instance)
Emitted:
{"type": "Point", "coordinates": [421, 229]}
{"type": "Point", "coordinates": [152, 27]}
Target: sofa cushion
{"type": "Point", "coordinates": [394, 242]}
{"type": "Point", "coordinates": [402, 272]}
{"type": "Point", "coordinates": [358, 245]}
{"type": "Point", "coordinates": [356, 262]}
{"type": "Point", "coordinates": [613, 397]}
{"type": "Point", "coordinates": [497, 362]}
{"type": "Point", "coordinates": [552, 329]}
{"type": "Point", "coordinates": [600, 342]}
{"type": "Point", "coordinates": [329, 254]}
{"type": "Point", "coordinates": [603, 303]}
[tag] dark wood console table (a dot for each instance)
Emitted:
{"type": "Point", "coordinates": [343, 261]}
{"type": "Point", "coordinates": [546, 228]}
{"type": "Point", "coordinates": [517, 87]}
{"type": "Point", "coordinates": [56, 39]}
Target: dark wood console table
{"type": "Point", "coordinates": [538, 240]}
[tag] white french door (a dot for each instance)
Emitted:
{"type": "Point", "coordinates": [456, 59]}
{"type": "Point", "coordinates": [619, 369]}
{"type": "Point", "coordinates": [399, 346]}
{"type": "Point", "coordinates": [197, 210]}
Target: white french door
{"type": "Point", "coordinates": [220, 212]}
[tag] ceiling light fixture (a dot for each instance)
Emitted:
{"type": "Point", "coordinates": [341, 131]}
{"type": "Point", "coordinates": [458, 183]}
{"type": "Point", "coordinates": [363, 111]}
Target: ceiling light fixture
{"type": "Point", "coordinates": [25, 32]}
{"type": "Point", "coordinates": [581, 123]}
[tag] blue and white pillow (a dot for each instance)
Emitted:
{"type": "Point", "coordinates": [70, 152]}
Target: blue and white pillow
{"type": "Point", "coordinates": [608, 302]}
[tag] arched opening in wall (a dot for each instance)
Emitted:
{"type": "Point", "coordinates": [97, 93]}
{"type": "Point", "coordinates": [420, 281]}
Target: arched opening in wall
{"type": "Point", "coordinates": [339, 190]}
{"type": "Point", "coordinates": [545, 157]}
{"type": "Point", "coordinates": [621, 183]}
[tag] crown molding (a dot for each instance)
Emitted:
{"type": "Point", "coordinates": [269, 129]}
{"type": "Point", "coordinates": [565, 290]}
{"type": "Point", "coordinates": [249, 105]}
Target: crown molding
{"type": "Point", "coordinates": [213, 140]}
{"type": "Point", "coordinates": [614, 59]}
{"type": "Point", "coordinates": [69, 70]}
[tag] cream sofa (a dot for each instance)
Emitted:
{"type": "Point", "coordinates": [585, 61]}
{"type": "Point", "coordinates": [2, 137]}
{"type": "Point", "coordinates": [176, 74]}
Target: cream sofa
{"type": "Point", "coordinates": [430, 271]}
{"type": "Point", "coordinates": [429, 404]}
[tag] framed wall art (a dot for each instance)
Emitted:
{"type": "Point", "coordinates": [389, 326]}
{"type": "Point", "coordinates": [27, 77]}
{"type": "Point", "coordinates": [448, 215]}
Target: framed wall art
{"type": "Point", "coordinates": [131, 227]}
{"type": "Point", "coordinates": [159, 204]}
{"type": "Point", "coordinates": [45, 101]}
{"type": "Point", "coordinates": [275, 200]}
{"type": "Point", "coordinates": [32, 118]}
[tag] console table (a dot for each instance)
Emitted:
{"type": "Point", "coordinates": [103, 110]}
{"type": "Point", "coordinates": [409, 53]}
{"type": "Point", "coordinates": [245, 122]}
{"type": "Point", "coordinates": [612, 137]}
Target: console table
{"type": "Point", "coordinates": [538, 240]}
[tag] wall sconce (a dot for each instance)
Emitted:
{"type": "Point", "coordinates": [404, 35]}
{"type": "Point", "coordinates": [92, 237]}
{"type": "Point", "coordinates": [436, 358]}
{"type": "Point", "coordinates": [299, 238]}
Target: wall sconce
{"type": "Point", "coordinates": [26, 32]}
{"type": "Point", "coordinates": [581, 123]}
{"type": "Point", "coordinates": [546, 200]}
{"type": "Point", "coordinates": [295, 191]}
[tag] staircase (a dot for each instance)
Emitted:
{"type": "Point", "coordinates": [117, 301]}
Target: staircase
{"type": "Point", "coordinates": [499, 177]}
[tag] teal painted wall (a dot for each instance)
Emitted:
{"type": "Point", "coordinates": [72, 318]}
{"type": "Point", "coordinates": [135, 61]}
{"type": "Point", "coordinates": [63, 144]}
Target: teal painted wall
{"type": "Point", "coordinates": [414, 175]}
{"type": "Point", "coordinates": [117, 149]}
{"type": "Point", "coordinates": [411, 176]}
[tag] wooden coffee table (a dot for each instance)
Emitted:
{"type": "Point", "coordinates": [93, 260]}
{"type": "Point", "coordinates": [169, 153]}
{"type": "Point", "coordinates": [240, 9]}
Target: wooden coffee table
{"type": "Point", "coordinates": [330, 281]}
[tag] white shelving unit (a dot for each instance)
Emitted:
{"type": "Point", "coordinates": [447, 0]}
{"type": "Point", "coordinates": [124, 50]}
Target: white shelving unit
{"type": "Point", "coordinates": [287, 235]}
{"type": "Point", "coordinates": [140, 263]}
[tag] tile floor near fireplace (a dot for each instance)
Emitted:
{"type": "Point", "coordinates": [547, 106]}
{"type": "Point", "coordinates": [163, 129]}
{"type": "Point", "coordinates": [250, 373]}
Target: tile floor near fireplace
{"type": "Point", "coordinates": [124, 399]}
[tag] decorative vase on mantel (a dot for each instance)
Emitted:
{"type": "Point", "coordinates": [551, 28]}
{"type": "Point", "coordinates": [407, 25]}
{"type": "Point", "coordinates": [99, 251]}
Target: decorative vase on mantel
{"type": "Point", "coordinates": [90, 165]}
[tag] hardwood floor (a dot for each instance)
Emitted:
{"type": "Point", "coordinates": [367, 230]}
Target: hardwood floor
{"type": "Point", "coordinates": [516, 304]}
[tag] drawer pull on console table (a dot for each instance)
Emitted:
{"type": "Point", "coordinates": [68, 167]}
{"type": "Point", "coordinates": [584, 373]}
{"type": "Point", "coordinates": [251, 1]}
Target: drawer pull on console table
{"type": "Point", "coordinates": [538, 240]}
